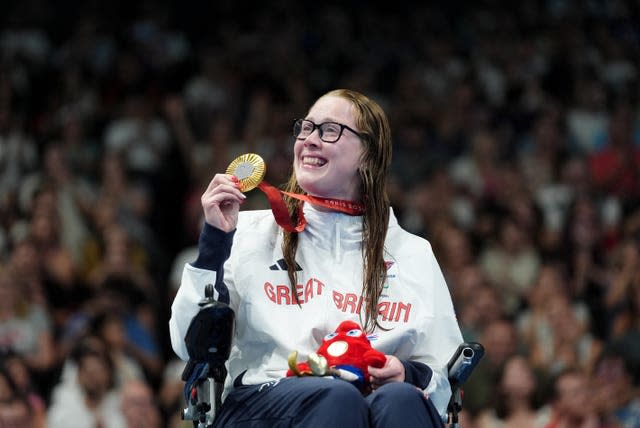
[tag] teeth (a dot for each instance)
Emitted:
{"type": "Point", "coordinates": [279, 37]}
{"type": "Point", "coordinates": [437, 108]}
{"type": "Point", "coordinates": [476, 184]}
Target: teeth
{"type": "Point", "coordinates": [313, 161]}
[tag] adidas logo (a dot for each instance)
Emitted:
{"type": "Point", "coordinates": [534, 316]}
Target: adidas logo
{"type": "Point", "coordinates": [282, 265]}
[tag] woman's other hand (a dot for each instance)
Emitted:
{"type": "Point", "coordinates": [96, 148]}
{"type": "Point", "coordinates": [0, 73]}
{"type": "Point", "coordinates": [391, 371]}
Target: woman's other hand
{"type": "Point", "coordinates": [392, 371]}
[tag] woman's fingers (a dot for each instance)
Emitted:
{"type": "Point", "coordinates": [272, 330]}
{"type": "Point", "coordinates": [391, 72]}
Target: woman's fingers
{"type": "Point", "coordinates": [393, 371]}
{"type": "Point", "coordinates": [221, 202]}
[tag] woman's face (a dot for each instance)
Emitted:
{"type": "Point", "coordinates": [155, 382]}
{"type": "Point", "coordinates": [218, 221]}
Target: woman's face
{"type": "Point", "coordinates": [518, 378]}
{"type": "Point", "coordinates": [330, 170]}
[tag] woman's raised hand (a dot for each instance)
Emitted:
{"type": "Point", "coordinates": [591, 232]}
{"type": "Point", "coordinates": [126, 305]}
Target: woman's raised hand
{"type": "Point", "coordinates": [221, 202]}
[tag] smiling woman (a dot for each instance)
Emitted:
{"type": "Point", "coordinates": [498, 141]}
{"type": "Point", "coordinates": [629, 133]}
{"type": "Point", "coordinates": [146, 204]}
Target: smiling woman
{"type": "Point", "coordinates": [329, 168]}
{"type": "Point", "coordinates": [350, 261]}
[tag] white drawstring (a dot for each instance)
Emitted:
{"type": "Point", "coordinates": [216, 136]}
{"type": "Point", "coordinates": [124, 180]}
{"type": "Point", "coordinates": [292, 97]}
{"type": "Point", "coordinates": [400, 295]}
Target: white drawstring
{"type": "Point", "coordinates": [337, 248]}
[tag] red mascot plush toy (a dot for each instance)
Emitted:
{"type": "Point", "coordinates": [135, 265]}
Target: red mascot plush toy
{"type": "Point", "coordinates": [345, 354]}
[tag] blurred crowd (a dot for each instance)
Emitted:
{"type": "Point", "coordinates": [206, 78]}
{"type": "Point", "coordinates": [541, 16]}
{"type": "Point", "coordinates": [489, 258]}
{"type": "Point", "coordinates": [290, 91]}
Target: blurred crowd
{"type": "Point", "coordinates": [516, 153]}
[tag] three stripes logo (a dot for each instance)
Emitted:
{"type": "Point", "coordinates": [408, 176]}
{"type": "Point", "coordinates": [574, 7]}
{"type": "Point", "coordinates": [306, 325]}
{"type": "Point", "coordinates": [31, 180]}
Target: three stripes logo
{"type": "Point", "coordinates": [282, 265]}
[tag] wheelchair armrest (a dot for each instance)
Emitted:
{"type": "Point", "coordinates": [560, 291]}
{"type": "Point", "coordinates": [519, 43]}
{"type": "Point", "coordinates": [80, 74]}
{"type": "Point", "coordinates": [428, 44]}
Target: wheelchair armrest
{"type": "Point", "coordinates": [463, 362]}
{"type": "Point", "coordinates": [208, 342]}
{"type": "Point", "coordinates": [459, 369]}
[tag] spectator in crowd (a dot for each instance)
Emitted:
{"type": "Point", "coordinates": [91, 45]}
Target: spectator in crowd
{"type": "Point", "coordinates": [120, 315]}
{"type": "Point", "coordinates": [16, 413]}
{"type": "Point", "coordinates": [15, 409]}
{"type": "Point", "coordinates": [515, 399]}
{"type": "Point", "coordinates": [569, 344]}
{"type": "Point", "coordinates": [138, 405]}
{"type": "Point", "coordinates": [535, 328]}
{"type": "Point", "coordinates": [588, 118]}
{"type": "Point", "coordinates": [24, 385]}
{"type": "Point", "coordinates": [140, 136]}
{"type": "Point", "coordinates": [18, 151]}
{"type": "Point", "coordinates": [585, 257]}
{"type": "Point", "coordinates": [470, 279]}
{"type": "Point", "coordinates": [511, 263]}
{"type": "Point", "coordinates": [543, 150]}
{"type": "Point", "coordinates": [25, 326]}
{"type": "Point", "coordinates": [87, 397]}
{"type": "Point", "coordinates": [64, 194]}
{"type": "Point", "coordinates": [477, 172]}
{"type": "Point", "coordinates": [571, 401]}
{"type": "Point", "coordinates": [454, 249]}
{"type": "Point", "coordinates": [124, 201]}
{"type": "Point", "coordinates": [623, 295]}
{"type": "Point", "coordinates": [615, 169]}
{"type": "Point", "coordinates": [623, 303]}
{"type": "Point", "coordinates": [110, 328]}
{"type": "Point", "coordinates": [481, 309]}
{"type": "Point", "coordinates": [171, 393]}
{"type": "Point", "coordinates": [615, 395]}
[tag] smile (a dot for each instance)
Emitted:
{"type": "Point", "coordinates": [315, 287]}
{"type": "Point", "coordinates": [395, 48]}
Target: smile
{"type": "Point", "coordinates": [313, 161]}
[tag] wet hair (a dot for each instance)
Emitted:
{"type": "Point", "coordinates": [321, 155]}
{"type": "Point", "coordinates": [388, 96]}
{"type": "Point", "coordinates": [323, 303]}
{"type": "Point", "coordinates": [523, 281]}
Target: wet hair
{"type": "Point", "coordinates": [373, 126]}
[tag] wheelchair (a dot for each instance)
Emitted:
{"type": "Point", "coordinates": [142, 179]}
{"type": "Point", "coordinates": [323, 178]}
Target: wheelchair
{"type": "Point", "coordinates": [208, 343]}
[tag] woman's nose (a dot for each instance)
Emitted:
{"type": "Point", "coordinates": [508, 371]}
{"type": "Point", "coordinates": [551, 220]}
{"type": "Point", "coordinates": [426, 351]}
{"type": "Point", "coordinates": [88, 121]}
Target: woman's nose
{"type": "Point", "coordinates": [313, 139]}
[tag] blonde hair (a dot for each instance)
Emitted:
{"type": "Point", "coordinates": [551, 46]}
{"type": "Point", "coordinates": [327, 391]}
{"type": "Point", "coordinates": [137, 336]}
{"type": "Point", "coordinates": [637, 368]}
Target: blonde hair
{"type": "Point", "coordinates": [373, 126]}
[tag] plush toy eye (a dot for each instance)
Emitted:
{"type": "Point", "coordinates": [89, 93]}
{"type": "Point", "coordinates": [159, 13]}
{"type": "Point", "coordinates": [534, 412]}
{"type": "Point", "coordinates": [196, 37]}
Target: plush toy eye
{"type": "Point", "coordinates": [330, 336]}
{"type": "Point", "coordinates": [354, 333]}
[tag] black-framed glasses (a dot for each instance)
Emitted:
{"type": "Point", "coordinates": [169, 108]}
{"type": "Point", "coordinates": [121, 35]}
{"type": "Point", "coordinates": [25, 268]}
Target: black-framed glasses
{"type": "Point", "coordinates": [329, 132]}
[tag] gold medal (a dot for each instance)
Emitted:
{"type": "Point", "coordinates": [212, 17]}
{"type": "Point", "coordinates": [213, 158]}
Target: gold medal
{"type": "Point", "coordinates": [249, 169]}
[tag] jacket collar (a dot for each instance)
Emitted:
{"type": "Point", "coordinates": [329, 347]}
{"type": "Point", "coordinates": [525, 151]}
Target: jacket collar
{"type": "Point", "coordinates": [335, 231]}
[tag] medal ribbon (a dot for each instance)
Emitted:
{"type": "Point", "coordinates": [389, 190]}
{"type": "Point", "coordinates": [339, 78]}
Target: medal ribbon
{"type": "Point", "coordinates": [281, 214]}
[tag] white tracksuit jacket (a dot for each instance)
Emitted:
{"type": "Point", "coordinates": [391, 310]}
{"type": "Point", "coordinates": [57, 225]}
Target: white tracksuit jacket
{"type": "Point", "coordinates": [415, 306]}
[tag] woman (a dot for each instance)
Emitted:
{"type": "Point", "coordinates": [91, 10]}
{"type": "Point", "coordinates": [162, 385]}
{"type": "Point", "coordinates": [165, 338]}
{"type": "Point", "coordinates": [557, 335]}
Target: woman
{"type": "Point", "coordinates": [25, 326]}
{"type": "Point", "coordinates": [289, 289]}
{"type": "Point", "coordinates": [514, 402]}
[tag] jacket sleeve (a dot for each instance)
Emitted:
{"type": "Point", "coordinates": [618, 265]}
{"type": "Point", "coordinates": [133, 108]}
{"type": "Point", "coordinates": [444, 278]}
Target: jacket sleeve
{"type": "Point", "coordinates": [214, 248]}
{"type": "Point", "coordinates": [417, 373]}
{"type": "Point", "coordinates": [440, 340]}
{"type": "Point", "coordinates": [439, 390]}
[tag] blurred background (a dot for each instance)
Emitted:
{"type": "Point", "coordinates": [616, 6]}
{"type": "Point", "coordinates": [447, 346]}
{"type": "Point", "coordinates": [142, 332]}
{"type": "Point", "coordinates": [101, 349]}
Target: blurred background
{"type": "Point", "coordinates": [516, 153]}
